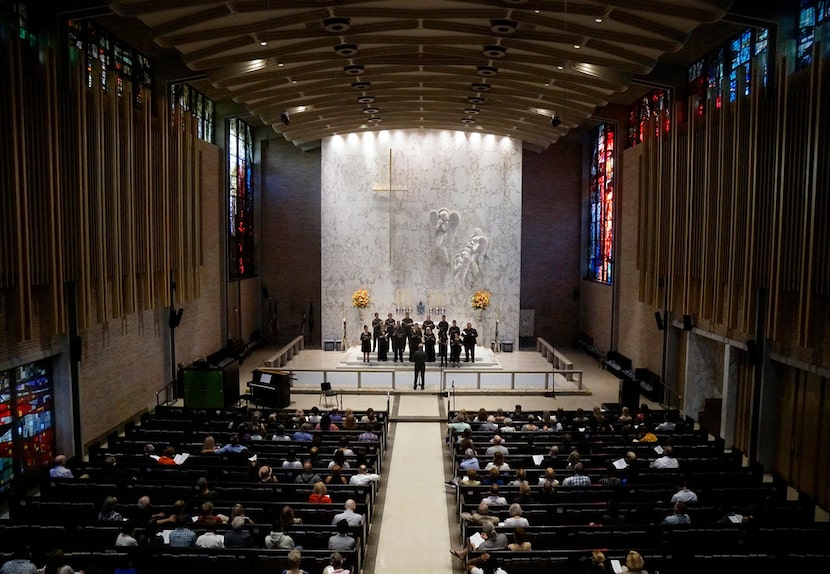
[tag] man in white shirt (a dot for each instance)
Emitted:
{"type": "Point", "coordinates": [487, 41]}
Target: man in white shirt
{"type": "Point", "coordinates": [349, 514]}
{"type": "Point", "coordinates": [665, 461]}
{"type": "Point", "coordinates": [684, 494]}
{"type": "Point", "coordinates": [363, 476]}
{"type": "Point", "coordinates": [210, 539]}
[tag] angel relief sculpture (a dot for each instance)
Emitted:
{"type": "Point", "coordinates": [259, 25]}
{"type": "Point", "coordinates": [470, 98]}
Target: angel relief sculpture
{"type": "Point", "coordinates": [444, 224]}
{"type": "Point", "coordinates": [467, 262]}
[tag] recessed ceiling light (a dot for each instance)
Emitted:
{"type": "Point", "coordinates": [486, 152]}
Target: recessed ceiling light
{"type": "Point", "coordinates": [487, 70]}
{"type": "Point", "coordinates": [494, 51]}
{"type": "Point", "coordinates": [472, 111]}
{"type": "Point", "coordinates": [346, 50]}
{"type": "Point", "coordinates": [361, 85]}
{"type": "Point", "coordinates": [503, 26]}
{"type": "Point", "coordinates": [577, 46]}
{"type": "Point", "coordinates": [367, 99]}
{"type": "Point", "coordinates": [560, 67]}
{"type": "Point", "coordinates": [475, 99]}
{"type": "Point", "coordinates": [263, 43]}
{"type": "Point", "coordinates": [371, 110]}
{"type": "Point", "coordinates": [336, 25]}
{"type": "Point", "coordinates": [598, 20]}
{"type": "Point", "coordinates": [280, 64]}
{"type": "Point", "coordinates": [374, 120]}
{"type": "Point", "coordinates": [468, 120]}
{"type": "Point", "coordinates": [354, 70]}
{"type": "Point", "coordinates": [480, 87]}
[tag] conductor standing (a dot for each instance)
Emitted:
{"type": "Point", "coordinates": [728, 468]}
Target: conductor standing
{"type": "Point", "coordinates": [469, 336]}
{"type": "Point", "coordinates": [419, 356]}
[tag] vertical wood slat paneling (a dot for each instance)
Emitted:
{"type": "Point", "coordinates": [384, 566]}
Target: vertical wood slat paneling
{"type": "Point", "coordinates": [20, 208]}
{"type": "Point", "coordinates": [780, 150]}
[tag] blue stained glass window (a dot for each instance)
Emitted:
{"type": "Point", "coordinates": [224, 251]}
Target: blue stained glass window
{"type": "Point", "coordinates": [601, 241]}
{"type": "Point", "coordinates": [241, 201]}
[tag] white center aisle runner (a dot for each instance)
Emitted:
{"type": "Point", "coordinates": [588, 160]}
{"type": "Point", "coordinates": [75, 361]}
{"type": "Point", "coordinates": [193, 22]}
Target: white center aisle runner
{"type": "Point", "coordinates": [414, 534]}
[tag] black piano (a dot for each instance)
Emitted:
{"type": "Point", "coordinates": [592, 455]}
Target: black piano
{"type": "Point", "coordinates": [270, 388]}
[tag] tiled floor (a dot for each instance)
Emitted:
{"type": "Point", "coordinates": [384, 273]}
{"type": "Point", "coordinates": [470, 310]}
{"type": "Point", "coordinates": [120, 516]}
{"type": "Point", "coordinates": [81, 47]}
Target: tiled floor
{"type": "Point", "coordinates": [415, 523]}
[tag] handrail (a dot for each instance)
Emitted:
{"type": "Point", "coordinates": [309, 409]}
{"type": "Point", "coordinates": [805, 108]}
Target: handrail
{"type": "Point", "coordinates": [281, 357]}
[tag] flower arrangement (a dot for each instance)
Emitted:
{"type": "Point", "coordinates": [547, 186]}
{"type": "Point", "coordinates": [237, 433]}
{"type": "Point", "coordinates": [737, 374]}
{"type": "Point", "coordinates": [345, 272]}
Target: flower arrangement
{"type": "Point", "coordinates": [481, 299]}
{"type": "Point", "coordinates": [360, 299]}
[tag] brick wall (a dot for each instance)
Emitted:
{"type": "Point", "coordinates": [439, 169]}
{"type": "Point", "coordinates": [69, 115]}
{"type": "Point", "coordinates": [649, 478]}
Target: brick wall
{"type": "Point", "coordinates": [551, 183]}
{"type": "Point", "coordinates": [289, 237]}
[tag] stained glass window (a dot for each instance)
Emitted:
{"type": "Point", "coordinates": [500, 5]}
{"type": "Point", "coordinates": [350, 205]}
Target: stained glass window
{"type": "Point", "coordinates": [654, 105]}
{"type": "Point", "coordinates": [811, 16]}
{"type": "Point", "coordinates": [601, 255]}
{"type": "Point", "coordinates": [113, 57]}
{"type": "Point", "coordinates": [732, 63]}
{"type": "Point", "coordinates": [240, 199]}
{"type": "Point", "coordinates": [199, 105]}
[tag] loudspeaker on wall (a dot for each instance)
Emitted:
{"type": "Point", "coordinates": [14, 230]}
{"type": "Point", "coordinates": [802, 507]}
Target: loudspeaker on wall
{"type": "Point", "coordinates": [753, 352]}
{"type": "Point", "coordinates": [687, 322]}
{"type": "Point", "coordinates": [658, 318]}
{"type": "Point", "coordinates": [75, 347]}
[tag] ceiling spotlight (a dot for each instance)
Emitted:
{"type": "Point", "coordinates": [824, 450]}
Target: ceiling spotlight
{"type": "Point", "coordinates": [263, 43]}
{"type": "Point", "coordinates": [285, 118]}
{"type": "Point", "coordinates": [555, 121]}
{"type": "Point", "coordinates": [487, 70]}
{"type": "Point", "coordinates": [360, 86]}
{"type": "Point", "coordinates": [468, 120]}
{"type": "Point", "coordinates": [494, 51]}
{"type": "Point", "coordinates": [354, 70]}
{"type": "Point", "coordinates": [336, 25]}
{"type": "Point", "coordinates": [374, 120]}
{"type": "Point", "coordinates": [480, 87]}
{"type": "Point", "coordinates": [475, 100]}
{"type": "Point", "coordinates": [472, 111]}
{"type": "Point", "coordinates": [366, 99]}
{"type": "Point", "coordinates": [346, 50]}
{"type": "Point", "coordinates": [371, 110]}
{"type": "Point", "coordinates": [598, 20]}
{"type": "Point", "coordinates": [503, 26]}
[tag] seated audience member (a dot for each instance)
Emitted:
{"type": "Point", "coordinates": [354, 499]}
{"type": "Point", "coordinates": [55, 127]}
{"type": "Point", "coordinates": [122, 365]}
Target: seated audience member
{"type": "Point", "coordinates": [336, 476]}
{"type": "Point", "coordinates": [108, 512]}
{"type": "Point", "coordinates": [210, 539]}
{"type": "Point", "coordinates": [634, 563]}
{"type": "Point", "coordinates": [644, 435]}
{"type": "Point", "coordinates": [493, 477]}
{"type": "Point", "coordinates": [56, 564]}
{"type": "Point", "coordinates": [181, 536]}
{"type": "Point", "coordinates": [287, 517]}
{"type": "Point", "coordinates": [497, 446]}
{"type": "Point", "coordinates": [469, 461]}
{"type": "Point", "coordinates": [612, 514]}
{"type": "Point", "coordinates": [303, 434]}
{"type": "Point", "coordinates": [59, 469]}
{"type": "Point", "coordinates": [350, 422]}
{"type": "Point", "coordinates": [335, 565]}
{"type": "Point", "coordinates": [470, 478]}
{"type": "Point", "coordinates": [265, 475]}
{"type": "Point", "coordinates": [549, 476]}
{"type": "Point", "coordinates": [370, 417]}
{"type": "Point", "coordinates": [151, 536]}
{"type": "Point", "coordinates": [521, 541]}
{"type": "Point", "coordinates": [497, 462]}
{"type": "Point", "coordinates": [343, 444]}
{"type": "Point", "coordinates": [237, 536]}
{"type": "Point", "coordinates": [666, 461]}
{"type": "Point", "coordinates": [145, 512]}
{"type": "Point", "coordinates": [208, 445]}
{"type": "Point", "coordinates": [280, 435]}
{"type": "Point", "coordinates": [489, 424]}
{"type": "Point", "coordinates": [20, 562]}
{"type": "Point", "coordinates": [492, 541]}
{"type": "Point", "coordinates": [363, 476]}
{"type": "Point", "coordinates": [524, 495]}
{"type": "Point", "coordinates": [485, 563]}
{"type": "Point", "coordinates": [203, 491]}
{"type": "Point", "coordinates": [342, 541]}
{"type": "Point", "coordinates": [294, 559]}
{"type": "Point", "coordinates": [530, 425]}
{"type": "Point", "coordinates": [370, 435]}
{"type": "Point", "coordinates": [233, 446]}
{"type": "Point", "coordinates": [578, 478]}
{"type": "Point", "coordinates": [480, 516]}
{"type": "Point", "coordinates": [599, 563]}
{"type": "Point", "coordinates": [521, 477]}
{"type": "Point", "coordinates": [546, 493]}
{"type": "Point", "coordinates": [239, 511]}
{"type": "Point", "coordinates": [684, 494]}
{"type": "Point", "coordinates": [291, 460]}
{"type": "Point", "coordinates": [516, 519]}
{"type": "Point", "coordinates": [308, 475]}
{"type": "Point", "coordinates": [277, 538]}
{"type": "Point", "coordinates": [348, 514]}
{"type": "Point", "coordinates": [206, 514]}
{"type": "Point", "coordinates": [339, 458]}
{"type": "Point", "coordinates": [678, 515]}
{"type": "Point", "coordinates": [494, 498]}
{"type": "Point", "coordinates": [168, 457]}
{"type": "Point", "coordinates": [326, 423]}
{"type": "Point", "coordinates": [127, 535]}
{"type": "Point", "coordinates": [320, 494]}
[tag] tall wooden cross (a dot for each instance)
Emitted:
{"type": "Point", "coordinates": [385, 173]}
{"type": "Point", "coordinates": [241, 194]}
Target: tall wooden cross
{"type": "Point", "coordinates": [390, 189]}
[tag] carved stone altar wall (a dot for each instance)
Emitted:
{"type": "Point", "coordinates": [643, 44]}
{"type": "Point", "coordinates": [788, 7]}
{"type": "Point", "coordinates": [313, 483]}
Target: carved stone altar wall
{"type": "Point", "coordinates": [450, 225]}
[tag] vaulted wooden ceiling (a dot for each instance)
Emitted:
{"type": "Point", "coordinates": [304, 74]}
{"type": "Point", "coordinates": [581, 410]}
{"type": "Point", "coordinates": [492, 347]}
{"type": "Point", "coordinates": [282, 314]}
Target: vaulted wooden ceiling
{"type": "Point", "coordinates": [529, 69]}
